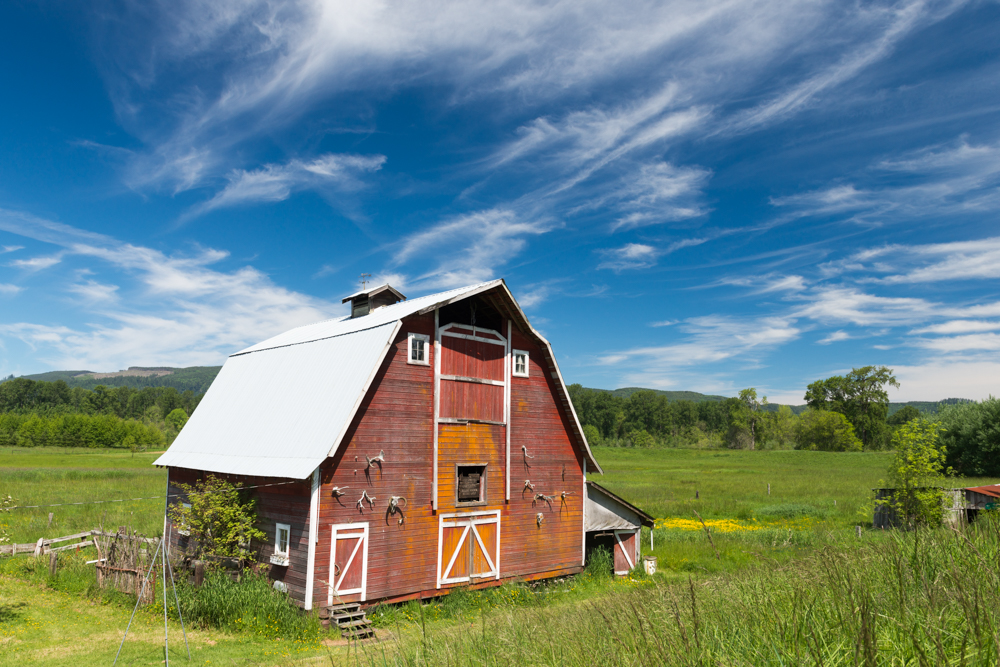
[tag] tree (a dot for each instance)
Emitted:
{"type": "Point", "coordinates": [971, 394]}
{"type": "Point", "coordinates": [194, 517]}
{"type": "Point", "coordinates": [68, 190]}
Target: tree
{"type": "Point", "coordinates": [827, 431]}
{"type": "Point", "coordinates": [220, 523]}
{"type": "Point", "coordinates": [593, 435]}
{"type": "Point", "coordinates": [748, 415]}
{"type": "Point", "coordinates": [903, 415]}
{"type": "Point", "coordinates": [972, 437]}
{"type": "Point", "coordinates": [917, 473]}
{"type": "Point", "coordinates": [861, 396]}
{"type": "Point", "coordinates": [783, 427]}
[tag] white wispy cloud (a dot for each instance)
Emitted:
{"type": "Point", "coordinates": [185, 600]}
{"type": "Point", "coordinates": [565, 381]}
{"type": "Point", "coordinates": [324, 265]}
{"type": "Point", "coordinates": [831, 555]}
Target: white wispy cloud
{"type": "Point", "coordinates": [835, 337]}
{"type": "Point", "coordinates": [9, 289]}
{"type": "Point", "coordinates": [10, 248]}
{"type": "Point", "coordinates": [276, 182]}
{"type": "Point", "coordinates": [952, 180]}
{"type": "Point", "coordinates": [181, 311]}
{"type": "Point", "coordinates": [468, 248]}
{"type": "Point", "coordinates": [36, 263]}
{"type": "Point", "coordinates": [629, 256]}
{"type": "Point", "coordinates": [707, 340]}
{"type": "Point", "coordinates": [959, 327]}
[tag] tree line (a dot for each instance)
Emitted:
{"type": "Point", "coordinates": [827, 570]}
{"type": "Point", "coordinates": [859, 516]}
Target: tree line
{"type": "Point", "coordinates": [38, 413]}
{"type": "Point", "coordinates": [844, 413]}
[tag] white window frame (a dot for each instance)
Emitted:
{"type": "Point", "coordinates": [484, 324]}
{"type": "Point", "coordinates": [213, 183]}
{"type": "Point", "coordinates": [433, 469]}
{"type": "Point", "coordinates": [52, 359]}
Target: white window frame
{"type": "Point", "coordinates": [427, 349]}
{"type": "Point", "coordinates": [280, 557]}
{"type": "Point", "coordinates": [183, 528]}
{"type": "Point", "coordinates": [513, 363]}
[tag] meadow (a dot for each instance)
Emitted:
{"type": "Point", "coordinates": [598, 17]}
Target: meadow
{"type": "Point", "coordinates": [783, 579]}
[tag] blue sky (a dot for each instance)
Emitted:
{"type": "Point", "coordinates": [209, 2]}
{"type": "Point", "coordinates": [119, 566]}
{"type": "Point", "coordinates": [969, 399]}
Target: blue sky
{"type": "Point", "coordinates": [683, 195]}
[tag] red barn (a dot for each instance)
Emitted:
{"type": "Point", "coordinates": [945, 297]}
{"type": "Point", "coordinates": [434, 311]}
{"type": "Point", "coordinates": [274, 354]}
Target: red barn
{"type": "Point", "coordinates": [414, 446]}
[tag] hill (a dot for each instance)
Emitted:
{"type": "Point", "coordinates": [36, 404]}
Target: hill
{"type": "Point", "coordinates": [193, 378]}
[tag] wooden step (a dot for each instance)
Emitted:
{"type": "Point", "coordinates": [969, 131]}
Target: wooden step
{"type": "Point", "coordinates": [354, 624]}
{"type": "Point", "coordinates": [358, 633]}
{"type": "Point", "coordinates": [348, 615]}
{"type": "Point", "coordinates": [347, 606]}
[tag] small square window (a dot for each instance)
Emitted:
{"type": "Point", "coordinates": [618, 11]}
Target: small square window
{"type": "Point", "coordinates": [471, 486]}
{"type": "Point", "coordinates": [520, 363]}
{"type": "Point", "coordinates": [184, 529]}
{"type": "Point", "coordinates": [282, 537]}
{"type": "Point", "coordinates": [417, 349]}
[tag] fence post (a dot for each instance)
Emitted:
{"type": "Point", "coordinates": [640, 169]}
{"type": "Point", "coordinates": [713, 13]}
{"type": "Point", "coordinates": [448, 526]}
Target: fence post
{"type": "Point", "coordinates": [199, 572]}
{"type": "Point", "coordinates": [38, 547]}
{"type": "Point", "coordinates": [53, 557]}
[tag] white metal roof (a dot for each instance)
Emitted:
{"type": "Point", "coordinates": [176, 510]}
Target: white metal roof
{"type": "Point", "coordinates": [279, 412]}
{"type": "Point", "coordinates": [281, 407]}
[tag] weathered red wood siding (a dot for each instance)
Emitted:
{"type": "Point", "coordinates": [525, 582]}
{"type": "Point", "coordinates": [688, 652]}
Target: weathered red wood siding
{"type": "Point", "coordinates": [397, 417]}
{"type": "Point", "coordinates": [628, 545]}
{"type": "Point", "coordinates": [284, 503]}
{"type": "Point", "coordinates": [540, 425]}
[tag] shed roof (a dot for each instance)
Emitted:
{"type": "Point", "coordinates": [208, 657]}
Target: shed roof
{"type": "Point", "coordinates": [281, 407]}
{"type": "Point", "coordinates": [991, 490]}
{"type": "Point", "coordinates": [607, 511]}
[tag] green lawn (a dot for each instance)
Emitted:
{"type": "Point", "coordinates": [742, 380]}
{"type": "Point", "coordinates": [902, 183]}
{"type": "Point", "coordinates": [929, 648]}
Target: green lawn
{"type": "Point", "coordinates": [54, 475]}
{"type": "Point", "coordinates": [813, 507]}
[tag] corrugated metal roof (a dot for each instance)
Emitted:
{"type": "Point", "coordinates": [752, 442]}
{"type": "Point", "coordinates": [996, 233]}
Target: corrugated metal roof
{"type": "Point", "coordinates": [280, 407]}
{"type": "Point", "coordinates": [991, 490]}
{"type": "Point", "coordinates": [278, 413]}
{"type": "Point", "coordinates": [344, 325]}
{"type": "Point", "coordinates": [607, 511]}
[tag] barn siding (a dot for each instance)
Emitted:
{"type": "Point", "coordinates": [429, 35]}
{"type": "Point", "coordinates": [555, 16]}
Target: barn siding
{"type": "Point", "coordinates": [287, 503]}
{"type": "Point", "coordinates": [397, 417]}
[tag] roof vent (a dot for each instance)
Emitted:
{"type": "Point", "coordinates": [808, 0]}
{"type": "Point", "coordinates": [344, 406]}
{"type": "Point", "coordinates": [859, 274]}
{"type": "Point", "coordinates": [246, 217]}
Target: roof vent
{"type": "Point", "coordinates": [367, 300]}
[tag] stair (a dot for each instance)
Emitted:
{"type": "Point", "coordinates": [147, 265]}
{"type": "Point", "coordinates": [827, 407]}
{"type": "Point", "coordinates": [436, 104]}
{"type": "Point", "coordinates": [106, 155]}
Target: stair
{"type": "Point", "coordinates": [351, 620]}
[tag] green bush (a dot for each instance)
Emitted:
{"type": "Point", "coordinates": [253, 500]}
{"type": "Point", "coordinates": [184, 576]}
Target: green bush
{"type": "Point", "coordinates": [972, 437]}
{"type": "Point", "coordinates": [826, 431]}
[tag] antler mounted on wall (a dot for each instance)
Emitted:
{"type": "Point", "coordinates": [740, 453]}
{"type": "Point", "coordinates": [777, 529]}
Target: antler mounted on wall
{"type": "Point", "coordinates": [376, 459]}
{"type": "Point", "coordinates": [338, 491]}
{"type": "Point", "coordinates": [365, 498]}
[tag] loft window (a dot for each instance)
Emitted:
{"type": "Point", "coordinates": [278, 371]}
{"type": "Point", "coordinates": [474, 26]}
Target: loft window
{"type": "Point", "coordinates": [282, 537]}
{"type": "Point", "coordinates": [360, 306]}
{"type": "Point", "coordinates": [471, 484]}
{"type": "Point", "coordinates": [520, 363]}
{"type": "Point", "coordinates": [417, 349]}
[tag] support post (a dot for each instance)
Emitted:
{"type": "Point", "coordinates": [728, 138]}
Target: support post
{"type": "Point", "coordinates": [437, 403]}
{"type": "Point", "coordinates": [313, 537]}
{"type": "Point", "coordinates": [53, 556]}
{"type": "Point", "coordinates": [508, 377]}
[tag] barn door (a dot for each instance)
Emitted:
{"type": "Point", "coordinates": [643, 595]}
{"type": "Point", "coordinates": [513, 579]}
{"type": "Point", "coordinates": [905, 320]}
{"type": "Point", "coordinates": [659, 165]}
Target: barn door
{"type": "Point", "coordinates": [626, 553]}
{"type": "Point", "coordinates": [468, 547]}
{"type": "Point", "coordinates": [348, 563]}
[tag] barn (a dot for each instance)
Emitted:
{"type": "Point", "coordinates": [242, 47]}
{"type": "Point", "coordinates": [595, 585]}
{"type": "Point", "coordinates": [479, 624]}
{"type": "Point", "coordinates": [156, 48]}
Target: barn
{"type": "Point", "coordinates": [413, 446]}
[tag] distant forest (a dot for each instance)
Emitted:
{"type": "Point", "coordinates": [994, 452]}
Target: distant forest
{"type": "Point", "coordinates": [38, 413]}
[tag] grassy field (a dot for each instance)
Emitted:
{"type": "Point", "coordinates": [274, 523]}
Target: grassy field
{"type": "Point", "coordinates": [54, 475]}
{"type": "Point", "coordinates": [788, 555]}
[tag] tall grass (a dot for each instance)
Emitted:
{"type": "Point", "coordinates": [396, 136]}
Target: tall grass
{"type": "Point", "coordinates": [249, 606]}
{"type": "Point", "coordinates": [919, 598]}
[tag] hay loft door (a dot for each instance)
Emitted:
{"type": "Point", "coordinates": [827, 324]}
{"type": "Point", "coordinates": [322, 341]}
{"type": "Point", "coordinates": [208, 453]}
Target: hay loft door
{"type": "Point", "coordinates": [348, 563]}
{"type": "Point", "coordinates": [468, 547]}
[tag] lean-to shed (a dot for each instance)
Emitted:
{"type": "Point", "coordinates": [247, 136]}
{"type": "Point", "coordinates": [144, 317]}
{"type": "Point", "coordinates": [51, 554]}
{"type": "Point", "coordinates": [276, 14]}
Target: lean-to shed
{"type": "Point", "coordinates": [413, 446]}
{"type": "Point", "coordinates": [615, 524]}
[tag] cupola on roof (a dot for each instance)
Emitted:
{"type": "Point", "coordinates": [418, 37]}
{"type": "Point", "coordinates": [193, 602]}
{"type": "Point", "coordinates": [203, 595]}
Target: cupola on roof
{"type": "Point", "coordinates": [367, 300]}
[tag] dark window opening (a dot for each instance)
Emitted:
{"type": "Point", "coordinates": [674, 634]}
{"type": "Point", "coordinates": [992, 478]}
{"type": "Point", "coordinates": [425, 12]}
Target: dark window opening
{"type": "Point", "coordinates": [473, 311]}
{"type": "Point", "coordinates": [471, 484]}
{"type": "Point", "coordinates": [359, 307]}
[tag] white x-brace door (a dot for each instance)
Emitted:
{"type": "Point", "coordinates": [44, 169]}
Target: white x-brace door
{"type": "Point", "coordinates": [468, 547]}
{"type": "Point", "coordinates": [348, 561]}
